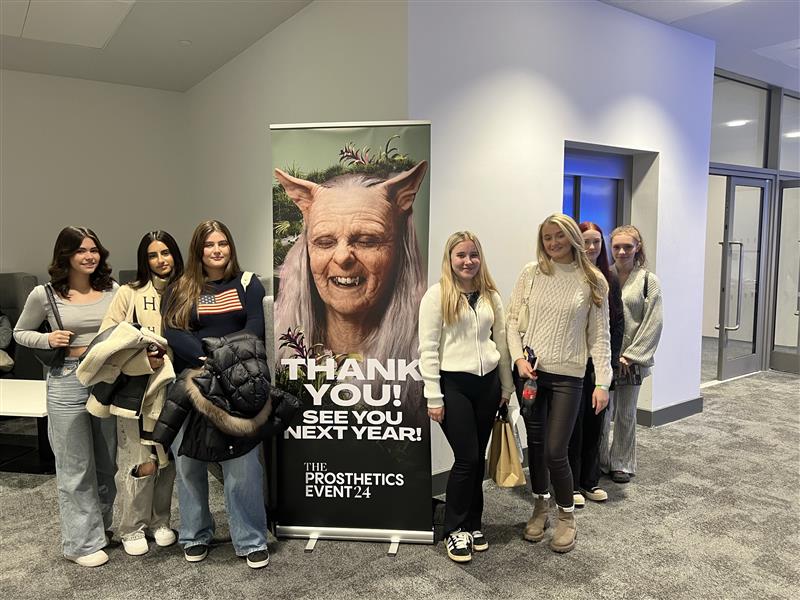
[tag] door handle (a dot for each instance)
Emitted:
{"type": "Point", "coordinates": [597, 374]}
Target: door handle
{"type": "Point", "coordinates": [740, 286]}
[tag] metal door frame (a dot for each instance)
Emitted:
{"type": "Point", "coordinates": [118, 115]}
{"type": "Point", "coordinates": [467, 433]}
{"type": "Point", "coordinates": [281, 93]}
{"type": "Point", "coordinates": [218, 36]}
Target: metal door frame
{"type": "Point", "coordinates": [728, 368]}
{"type": "Point", "coordinates": [782, 361]}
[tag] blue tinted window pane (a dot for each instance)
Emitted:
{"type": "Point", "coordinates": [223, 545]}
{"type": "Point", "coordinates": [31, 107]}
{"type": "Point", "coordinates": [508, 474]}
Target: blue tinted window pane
{"type": "Point", "coordinates": [598, 203]}
{"type": "Point", "coordinates": [569, 196]}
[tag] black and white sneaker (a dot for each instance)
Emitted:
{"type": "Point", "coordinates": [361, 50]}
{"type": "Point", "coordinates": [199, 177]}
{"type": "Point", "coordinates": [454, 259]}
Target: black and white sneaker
{"type": "Point", "coordinates": [459, 546]}
{"type": "Point", "coordinates": [195, 553]}
{"type": "Point", "coordinates": [479, 541]}
{"type": "Point", "coordinates": [258, 559]}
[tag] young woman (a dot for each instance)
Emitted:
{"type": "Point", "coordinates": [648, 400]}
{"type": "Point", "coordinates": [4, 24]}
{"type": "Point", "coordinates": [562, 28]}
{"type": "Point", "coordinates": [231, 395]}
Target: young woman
{"type": "Point", "coordinates": [466, 367]}
{"type": "Point", "coordinates": [210, 300]}
{"type": "Point", "coordinates": [584, 446]}
{"type": "Point", "coordinates": [84, 446]}
{"type": "Point", "coordinates": [641, 298]}
{"type": "Point", "coordinates": [146, 489]}
{"type": "Point", "coordinates": [565, 299]}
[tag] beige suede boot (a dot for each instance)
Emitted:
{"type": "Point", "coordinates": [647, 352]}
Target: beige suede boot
{"type": "Point", "coordinates": [565, 533]}
{"type": "Point", "coordinates": [534, 530]}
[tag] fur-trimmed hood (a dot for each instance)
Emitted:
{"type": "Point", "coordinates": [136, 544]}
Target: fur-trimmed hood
{"type": "Point", "coordinates": [226, 422]}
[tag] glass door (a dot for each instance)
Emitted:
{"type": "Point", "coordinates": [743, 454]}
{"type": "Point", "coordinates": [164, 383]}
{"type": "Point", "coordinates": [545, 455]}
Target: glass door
{"type": "Point", "coordinates": [785, 356]}
{"type": "Point", "coordinates": [740, 306]}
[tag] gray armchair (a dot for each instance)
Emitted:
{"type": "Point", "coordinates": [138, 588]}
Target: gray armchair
{"type": "Point", "coordinates": [14, 290]}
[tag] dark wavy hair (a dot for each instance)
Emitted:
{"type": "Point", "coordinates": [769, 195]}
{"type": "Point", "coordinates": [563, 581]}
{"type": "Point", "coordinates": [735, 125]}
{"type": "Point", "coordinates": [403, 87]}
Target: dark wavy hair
{"type": "Point", "coordinates": [143, 273]}
{"type": "Point", "coordinates": [67, 243]}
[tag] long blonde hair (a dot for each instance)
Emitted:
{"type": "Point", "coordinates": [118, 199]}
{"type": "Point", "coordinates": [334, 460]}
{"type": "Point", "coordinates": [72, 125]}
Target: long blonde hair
{"type": "Point", "coordinates": [640, 258]}
{"type": "Point", "coordinates": [597, 283]}
{"type": "Point", "coordinates": [187, 289]}
{"type": "Point", "coordinates": [453, 301]}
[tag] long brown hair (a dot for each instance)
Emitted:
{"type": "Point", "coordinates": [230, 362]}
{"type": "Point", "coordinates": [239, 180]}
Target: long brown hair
{"type": "Point", "coordinates": [453, 301]}
{"type": "Point", "coordinates": [597, 283]}
{"type": "Point", "coordinates": [67, 243]}
{"type": "Point", "coordinates": [187, 289]}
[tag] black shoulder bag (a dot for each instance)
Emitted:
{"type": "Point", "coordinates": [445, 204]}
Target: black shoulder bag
{"type": "Point", "coordinates": [51, 357]}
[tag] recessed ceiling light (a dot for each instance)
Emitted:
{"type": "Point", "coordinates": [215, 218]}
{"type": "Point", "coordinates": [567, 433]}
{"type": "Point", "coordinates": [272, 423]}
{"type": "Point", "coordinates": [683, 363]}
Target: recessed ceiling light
{"type": "Point", "coordinates": [737, 123]}
{"type": "Point", "coordinates": [792, 134]}
{"type": "Point", "coordinates": [185, 42]}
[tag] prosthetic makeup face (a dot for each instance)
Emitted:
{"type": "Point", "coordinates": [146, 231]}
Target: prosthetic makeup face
{"type": "Point", "coordinates": [353, 236]}
{"type": "Point", "coordinates": [351, 248]}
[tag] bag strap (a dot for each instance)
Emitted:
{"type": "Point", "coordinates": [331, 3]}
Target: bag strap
{"type": "Point", "coordinates": [246, 277]}
{"type": "Point", "coordinates": [646, 283]}
{"type": "Point", "coordinates": [48, 288]}
{"type": "Point", "coordinates": [530, 288]}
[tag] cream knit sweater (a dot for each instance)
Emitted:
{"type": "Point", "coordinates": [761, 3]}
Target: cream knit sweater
{"type": "Point", "coordinates": [565, 327]}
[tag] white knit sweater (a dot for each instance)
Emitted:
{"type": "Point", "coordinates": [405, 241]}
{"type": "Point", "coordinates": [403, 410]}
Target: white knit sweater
{"type": "Point", "coordinates": [474, 344]}
{"type": "Point", "coordinates": [565, 327]}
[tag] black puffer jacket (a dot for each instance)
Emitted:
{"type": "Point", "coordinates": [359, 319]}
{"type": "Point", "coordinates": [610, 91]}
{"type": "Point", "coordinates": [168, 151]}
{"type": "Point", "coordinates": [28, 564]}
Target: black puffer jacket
{"type": "Point", "coordinates": [227, 402]}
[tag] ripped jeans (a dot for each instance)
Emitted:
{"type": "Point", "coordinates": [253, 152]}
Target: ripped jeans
{"type": "Point", "coordinates": [146, 501]}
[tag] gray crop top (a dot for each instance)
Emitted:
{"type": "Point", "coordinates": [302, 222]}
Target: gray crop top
{"type": "Point", "coordinates": [82, 319]}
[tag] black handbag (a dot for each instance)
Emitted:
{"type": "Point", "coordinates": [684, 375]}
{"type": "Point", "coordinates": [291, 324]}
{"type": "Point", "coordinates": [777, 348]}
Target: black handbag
{"type": "Point", "coordinates": [51, 357]}
{"type": "Point", "coordinates": [632, 377]}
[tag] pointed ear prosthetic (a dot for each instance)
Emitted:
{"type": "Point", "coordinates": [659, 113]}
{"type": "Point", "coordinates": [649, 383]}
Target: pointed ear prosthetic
{"type": "Point", "coordinates": [402, 189]}
{"type": "Point", "coordinates": [299, 190]}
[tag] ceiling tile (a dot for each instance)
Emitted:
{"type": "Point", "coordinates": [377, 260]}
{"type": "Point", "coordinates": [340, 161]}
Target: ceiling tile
{"type": "Point", "coordinates": [12, 16]}
{"type": "Point", "coordinates": [88, 23]}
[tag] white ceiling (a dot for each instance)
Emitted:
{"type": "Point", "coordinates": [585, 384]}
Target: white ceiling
{"type": "Point", "coordinates": [85, 38]}
{"type": "Point", "coordinates": [141, 43]}
{"type": "Point", "coordinates": [756, 38]}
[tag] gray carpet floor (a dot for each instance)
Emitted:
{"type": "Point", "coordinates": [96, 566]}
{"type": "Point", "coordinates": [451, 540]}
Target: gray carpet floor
{"type": "Point", "coordinates": [712, 513]}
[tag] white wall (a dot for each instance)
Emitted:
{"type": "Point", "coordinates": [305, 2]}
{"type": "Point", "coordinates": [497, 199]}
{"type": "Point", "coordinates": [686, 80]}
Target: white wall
{"type": "Point", "coordinates": [332, 61]}
{"type": "Point", "coordinates": [505, 84]}
{"type": "Point", "coordinates": [76, 152]}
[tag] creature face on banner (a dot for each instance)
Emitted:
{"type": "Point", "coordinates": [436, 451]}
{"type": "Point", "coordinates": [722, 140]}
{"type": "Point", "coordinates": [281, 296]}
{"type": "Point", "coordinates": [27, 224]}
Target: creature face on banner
{"type": "Point", "coordinates": [356, 264]}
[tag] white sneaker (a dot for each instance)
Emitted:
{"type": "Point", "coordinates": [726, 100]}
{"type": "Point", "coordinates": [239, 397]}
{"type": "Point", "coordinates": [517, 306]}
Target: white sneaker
{"type": "Point", "coordinates": [164, 536]}
{"type": "Point", "coordinates": [95, 559]}
{"type": "Point", "coordinates": [135, 543]}
{"type": "Point", "coordinates": [578, 500]}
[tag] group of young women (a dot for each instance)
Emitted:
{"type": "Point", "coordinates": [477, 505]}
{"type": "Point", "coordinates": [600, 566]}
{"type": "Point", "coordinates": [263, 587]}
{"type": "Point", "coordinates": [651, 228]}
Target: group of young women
{"type": "Point", "coordinates": [576, 326]}
{"type": "Point", "coordinates": [184, 304]}
{"type": "Point", "coordinates": [559, 312]}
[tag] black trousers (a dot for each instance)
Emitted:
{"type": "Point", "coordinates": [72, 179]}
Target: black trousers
{"type": "Point", "coordinates": [470, 405]}
{"type": "Point", "coordinates": [549, 427]}
{"type": "Point", "coordinates": [584, 446]}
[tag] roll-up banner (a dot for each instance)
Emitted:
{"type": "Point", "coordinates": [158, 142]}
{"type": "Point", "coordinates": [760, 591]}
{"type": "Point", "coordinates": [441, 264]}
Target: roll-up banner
{"type": "Point", "coordinates": [350, 217]}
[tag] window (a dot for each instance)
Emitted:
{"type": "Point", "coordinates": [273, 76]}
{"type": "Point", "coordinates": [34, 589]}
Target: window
{"type": "Point", "coordinates": [738, 123]}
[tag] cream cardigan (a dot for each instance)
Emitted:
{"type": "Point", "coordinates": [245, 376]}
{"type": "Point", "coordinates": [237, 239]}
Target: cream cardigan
{"type": "Point", "coordinates": [475, 344]}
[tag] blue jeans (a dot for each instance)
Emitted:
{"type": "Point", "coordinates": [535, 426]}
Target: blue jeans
{"type": "Point", "coordinates": [244, 500]}
{"type": "Point", "coordinates": [85, 450]}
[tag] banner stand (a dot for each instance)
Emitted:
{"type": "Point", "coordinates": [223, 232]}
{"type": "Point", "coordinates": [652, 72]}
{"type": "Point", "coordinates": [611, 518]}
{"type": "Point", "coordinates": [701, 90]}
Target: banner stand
{"type": "Point", "coordinates": [394, 537]}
